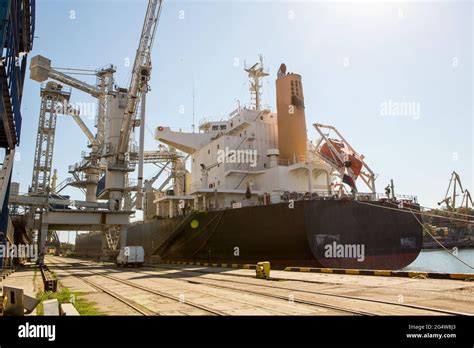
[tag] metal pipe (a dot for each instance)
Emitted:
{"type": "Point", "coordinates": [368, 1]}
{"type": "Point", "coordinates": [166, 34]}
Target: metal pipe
{"type": "Point", "coordinates": [74, 113]}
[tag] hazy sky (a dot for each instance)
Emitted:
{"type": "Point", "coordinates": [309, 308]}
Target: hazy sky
{"type": "Point", "coordinates": [361, 63]}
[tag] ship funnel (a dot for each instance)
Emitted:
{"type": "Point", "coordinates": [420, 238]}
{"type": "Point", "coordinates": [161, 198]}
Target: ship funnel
{"type": "Point", "coordinates": [292, 137]}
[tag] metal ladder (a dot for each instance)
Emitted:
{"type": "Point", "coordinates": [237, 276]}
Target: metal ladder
{"type": "Point", "coordinates": [63, 184]}
{"type": "Point", "coordinates": [112, 235]}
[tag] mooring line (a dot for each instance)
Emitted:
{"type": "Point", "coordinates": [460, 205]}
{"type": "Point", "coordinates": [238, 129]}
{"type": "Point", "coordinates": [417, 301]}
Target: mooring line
{"type": "Point", "coordinates": [439, 243]}
{"type": "Point", "coordinates": [424, 228]}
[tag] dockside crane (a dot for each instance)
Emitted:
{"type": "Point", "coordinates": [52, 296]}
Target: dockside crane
{"type": "Point", "coordinates": [111, 153]}
{"type": "Point", "coordinates": [136, 94]}
{"type": "Point", "coordinates": [117, 113]}
{"type": "Point", "coordinates": [467, 200]}
{"type": "Point", "coordinates": [450, 200]}
{"type": "Point", "coordinates": [41, 70]}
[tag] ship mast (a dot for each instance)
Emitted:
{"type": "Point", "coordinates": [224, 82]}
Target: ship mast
{"type": "Point", "coordinates": [255, 74]}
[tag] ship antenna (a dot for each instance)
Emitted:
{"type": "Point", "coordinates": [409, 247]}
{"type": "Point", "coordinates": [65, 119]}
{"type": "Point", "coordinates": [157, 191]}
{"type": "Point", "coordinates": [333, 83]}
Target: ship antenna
{"type": "Point", "coordinates": [256, 72]}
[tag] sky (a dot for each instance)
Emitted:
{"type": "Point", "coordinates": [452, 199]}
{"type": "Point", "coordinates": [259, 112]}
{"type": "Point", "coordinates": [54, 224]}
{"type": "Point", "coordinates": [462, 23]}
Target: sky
{"type": "Point", "coordinates": [396, 78]}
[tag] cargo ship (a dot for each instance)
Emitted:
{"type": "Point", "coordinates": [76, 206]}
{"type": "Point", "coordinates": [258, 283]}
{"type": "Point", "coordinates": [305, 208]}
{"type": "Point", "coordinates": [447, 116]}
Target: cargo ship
{"type": "Point", "coordinates": [258, 190]}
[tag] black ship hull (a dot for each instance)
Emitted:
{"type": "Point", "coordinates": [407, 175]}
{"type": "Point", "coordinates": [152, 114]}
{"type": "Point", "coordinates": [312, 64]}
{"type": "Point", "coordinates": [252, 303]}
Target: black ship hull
{"type": "Point", "coordinates": [312, 233]}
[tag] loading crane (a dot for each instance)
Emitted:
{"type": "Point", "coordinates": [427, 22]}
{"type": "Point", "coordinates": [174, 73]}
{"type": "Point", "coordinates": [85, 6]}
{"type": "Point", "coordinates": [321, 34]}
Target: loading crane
{"type": "Point", "coordinates": [110, 153]}
{"type": "Point", "coordinates": [136, 94]}
{"type": "Point", "coordinates": [41, 70]}
{"type": "Point", "coordinates": [117, 111]}
{"type": "Point", "coordinates": [450, 200]}
{"type": "Point", "coordinates": [466, 200]}
{"type": "Point", "coordinates": [140, 73]}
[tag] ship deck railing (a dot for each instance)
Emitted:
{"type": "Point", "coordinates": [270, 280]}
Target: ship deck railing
{"type": "Point", "coordinates": [310, 158]}
{"type": "Point", "coordinates": [326, 195]}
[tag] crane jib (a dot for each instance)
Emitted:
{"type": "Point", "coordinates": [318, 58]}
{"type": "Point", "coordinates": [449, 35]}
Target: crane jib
{"type": "Point", "coordinates": [142, 59]}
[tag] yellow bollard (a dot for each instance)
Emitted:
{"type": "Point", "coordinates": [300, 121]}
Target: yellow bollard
{"type": "Point", "coordinates": [263, 270]}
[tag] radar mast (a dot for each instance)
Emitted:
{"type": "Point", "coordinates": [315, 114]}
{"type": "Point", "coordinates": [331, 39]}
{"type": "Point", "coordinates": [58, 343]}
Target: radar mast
{"type": "Point", "coordinates": [256, 72]}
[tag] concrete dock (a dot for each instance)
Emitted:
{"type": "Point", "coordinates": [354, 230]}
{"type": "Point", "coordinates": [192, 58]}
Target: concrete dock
{"type": "Point", "coordinates": [166, 289]}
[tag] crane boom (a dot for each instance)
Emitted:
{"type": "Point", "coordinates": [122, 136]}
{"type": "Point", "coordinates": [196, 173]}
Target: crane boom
{"type": "Point", "coordinates": [75, 83]}
{"type": "Point", "coordinates": [41, 70]}
{"type": "Point", "coordinates": [140, 72]}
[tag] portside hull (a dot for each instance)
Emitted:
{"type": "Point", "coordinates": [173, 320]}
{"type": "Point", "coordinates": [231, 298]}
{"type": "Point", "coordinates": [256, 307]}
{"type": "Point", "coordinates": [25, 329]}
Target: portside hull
{"type": "Point", "coordinates": [300, 234]}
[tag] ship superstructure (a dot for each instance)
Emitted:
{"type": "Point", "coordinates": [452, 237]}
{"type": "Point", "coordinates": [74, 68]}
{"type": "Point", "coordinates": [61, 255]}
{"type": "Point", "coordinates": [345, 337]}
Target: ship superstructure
{"type": "Point", "coordinates": [254, 156]}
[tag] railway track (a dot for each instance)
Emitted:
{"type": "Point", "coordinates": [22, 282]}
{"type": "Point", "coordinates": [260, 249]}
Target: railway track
{"type": "Point", "coordinates": [234, 283]}
{"type": "Point", "coordinates": [356, 298]}
{"type": "Point", "coordinates": [127, 302]}
{"type": "Point", "coordinates": [351, 311]}
{"type": "Point", "coordinates": [311, 303]}
{"type": "Point", "coordinates": [161, 293]}
{"type": "Point", "coordinates": [130, 303]}
{"type": "Point", "coordinates": [336, 308]}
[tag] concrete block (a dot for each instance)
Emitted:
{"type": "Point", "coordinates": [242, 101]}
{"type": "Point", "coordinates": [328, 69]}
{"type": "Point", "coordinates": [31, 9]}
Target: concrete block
{"type": "Point", "coordinates": [51, 307]}
{"type": "Point", "coordinates": [30, 303]}
{"type": "Point", "coordinates": [14, 305]}
{"type": "Point", "coordinates": [69, 309]}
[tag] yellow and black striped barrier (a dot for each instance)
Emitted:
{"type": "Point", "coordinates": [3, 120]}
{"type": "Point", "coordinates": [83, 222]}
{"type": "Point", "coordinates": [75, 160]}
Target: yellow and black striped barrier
{"type": "Point", "coordinates": [211, 264]}
{"type": "Point", "coordinates": [432, 275]}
